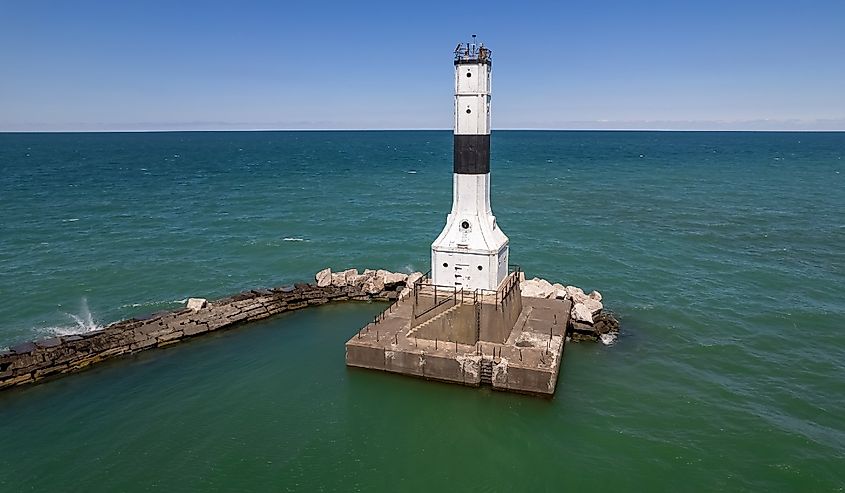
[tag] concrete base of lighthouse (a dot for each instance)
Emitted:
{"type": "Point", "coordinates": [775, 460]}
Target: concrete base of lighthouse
{"type": "Point", "coordinates": [497, 338]}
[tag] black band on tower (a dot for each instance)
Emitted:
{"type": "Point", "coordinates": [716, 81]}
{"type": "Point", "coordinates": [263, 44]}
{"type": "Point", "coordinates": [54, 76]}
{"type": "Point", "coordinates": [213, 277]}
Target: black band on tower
{"type": "Point", "coordinates": [472, 154]}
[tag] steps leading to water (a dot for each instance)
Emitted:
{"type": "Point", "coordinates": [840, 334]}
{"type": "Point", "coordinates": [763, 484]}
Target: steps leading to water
{"type": "Point", "coordinates": [486, 372]}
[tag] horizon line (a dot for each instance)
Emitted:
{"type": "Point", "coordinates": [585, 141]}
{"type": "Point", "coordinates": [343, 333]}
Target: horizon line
{"type": "Point", "coordinates": [512, 129]}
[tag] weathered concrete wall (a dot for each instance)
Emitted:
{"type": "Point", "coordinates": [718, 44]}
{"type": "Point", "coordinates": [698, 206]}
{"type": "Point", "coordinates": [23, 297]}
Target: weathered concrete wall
{"type": "Point", "coordinates": [456, 324]}
{"type": "Point", "coordinates": [34, 361]}
{"type": "Point", "coordinates": [428, 310]}
{"type": "Point", "coordinates": [497, 321]}
{"type": "Point", "coordinates": [432, 365]}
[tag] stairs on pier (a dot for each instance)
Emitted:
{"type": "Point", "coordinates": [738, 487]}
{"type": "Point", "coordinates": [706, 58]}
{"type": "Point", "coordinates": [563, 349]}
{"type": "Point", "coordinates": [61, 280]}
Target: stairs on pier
{"type": "Point", "coordinates": [433, 319]}
{"type": "Point", "coordinates": [487, 372]}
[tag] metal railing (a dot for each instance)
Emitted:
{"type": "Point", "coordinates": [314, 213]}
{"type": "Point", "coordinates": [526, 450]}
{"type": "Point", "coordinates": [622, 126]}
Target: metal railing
{"type": "Point", "coordinates": [469, 52]}
{"type": "Point", "coordinates": [418, 285]}
{"type": "Point", "coordinates": [500, 295]}
{"type": "Point", "coordinates": [511, 283]}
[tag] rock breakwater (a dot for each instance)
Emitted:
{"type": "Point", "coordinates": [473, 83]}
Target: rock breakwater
{"type": "Point", "coordinates": [34, 361]}
{"type": "Point", "coordinates": [588, 321]}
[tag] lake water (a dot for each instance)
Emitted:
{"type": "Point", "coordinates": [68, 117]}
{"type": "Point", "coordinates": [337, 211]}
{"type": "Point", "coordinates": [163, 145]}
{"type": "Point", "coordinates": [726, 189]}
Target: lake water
{"type": "Point", "coordinates": [721, 253]}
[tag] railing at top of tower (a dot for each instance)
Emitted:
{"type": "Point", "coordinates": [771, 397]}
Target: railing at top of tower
{"type": "Point", "coordinates": [471, 52]}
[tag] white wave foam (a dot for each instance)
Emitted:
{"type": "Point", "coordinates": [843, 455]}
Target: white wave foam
{"type": "Point", "coordinates": [84, 319]}
{"type": "Point", "coordinates": [82, 322]}
{"type": "Point", "coordinates": [608, 339]}
{"type": "Point", "coordinates": [71, 220]}
{"type": "Point", "coordinates": [294, 239]}
{"type": "Point", "coordinates": [155, 303]}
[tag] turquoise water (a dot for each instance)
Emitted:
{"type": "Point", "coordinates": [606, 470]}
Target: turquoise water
{"type": "Point", "coordinates": [721, 253]}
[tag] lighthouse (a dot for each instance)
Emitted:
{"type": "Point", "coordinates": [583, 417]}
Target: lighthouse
{"type": "Point", "coordinates": [472, 251]}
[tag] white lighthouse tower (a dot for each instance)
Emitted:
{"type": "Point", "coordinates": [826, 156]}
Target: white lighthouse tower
{"type": "Point", "coordinates": [471, 252]}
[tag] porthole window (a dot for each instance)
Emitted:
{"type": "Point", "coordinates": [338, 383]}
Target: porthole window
{"type": "Point", "coordinates": [445, 264]}
{"type": "Point", "coordinates": [469, 111]}
{"type": "Point", "coordinates": [465, 225]}
{"type": "Point", "coordinates": [479, 267]}
{"type": "Point", "coordinates": [469, 74]}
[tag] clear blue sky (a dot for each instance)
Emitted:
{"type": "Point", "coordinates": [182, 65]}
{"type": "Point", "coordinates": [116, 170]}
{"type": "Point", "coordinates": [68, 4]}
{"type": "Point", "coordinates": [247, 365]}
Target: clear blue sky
{"type": "Point", "coordinates": [134, 65]}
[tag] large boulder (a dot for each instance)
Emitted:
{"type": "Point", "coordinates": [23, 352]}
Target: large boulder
{"type": "Point", "coordinates": [594, 306]}
{"type": "Point", "coordinates": [358, 280]}
{"type": "Point", "coordinates": [576, 294]}
{"type": "Point", "coordinates": [595, 295]}
{"type": "Point", "coordinates": [605, 323]}
{"type": "Point", "coordinates": [537, 288]}
{"type": "Point", "coordinates": [580, 313]}
{"type": "Point", "coordinates": [338, 279]}
{"type": "Point", "coordinates": [341, 279]}
{"type": "Point", "coordinates": [324, 278]}
{"type": "Point", "coordinates": [392, 279]}
{"type": "Point", "coordinates": [196, 304]}
{"type": "Point", "coordinates": [374, 285]}
{"type": "Point", "coordinates": [412, 278]}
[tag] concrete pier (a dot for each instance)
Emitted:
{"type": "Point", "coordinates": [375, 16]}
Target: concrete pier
{"type": "Point", "coordinates": [500, 338]}
{"type": "Point", "coordinates": [497, 338]}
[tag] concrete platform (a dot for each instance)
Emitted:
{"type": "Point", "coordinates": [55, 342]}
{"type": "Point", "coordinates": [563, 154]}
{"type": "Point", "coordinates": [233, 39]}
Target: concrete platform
{"type": "Point", "coordinates": [439, 343]}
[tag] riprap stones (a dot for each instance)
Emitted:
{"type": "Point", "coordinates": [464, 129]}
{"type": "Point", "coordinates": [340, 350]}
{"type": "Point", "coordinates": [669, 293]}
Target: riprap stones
{"type": "Point", "coordinates": [589, 320]}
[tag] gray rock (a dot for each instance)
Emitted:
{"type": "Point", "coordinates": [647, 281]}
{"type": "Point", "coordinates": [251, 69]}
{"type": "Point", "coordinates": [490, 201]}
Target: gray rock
{"type": "Point", "coordinates": [412, 278]}
{"type": "Point", "coordinates": [394, 278]}
{"type": "Point", "coordinates": [324, 278]}
{"type": "Point", "coordinates": [196, 304]}
{"type": "Point", "coordinates": [48, 343]}
{"type": "Point", "coordinates": [594, 306]}
{"type": "Point", "coordinates": [26, 347]}
{"type": "Point", "coordinates": [339, 279]}
{"type": "Point", "coordinates": [576, 293]}
{"type": "Point", "coordinates": [606, 323]}
{"type": "Point", "coordinates": [580, 313]}
{"type": "Point", "coordinates": [374, 285]}
{"type": "Point", "coordinates": [537, 288]}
